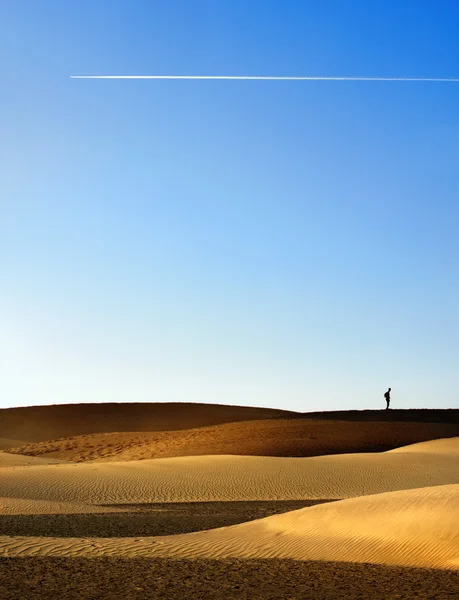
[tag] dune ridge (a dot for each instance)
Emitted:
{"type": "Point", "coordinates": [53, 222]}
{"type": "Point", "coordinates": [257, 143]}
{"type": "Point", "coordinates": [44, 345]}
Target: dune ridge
{"type": "Point", "coordinates": [447, 446]}
{"type": "Point", "coordinates": [418, 528]}
{"type": "Point", "coordinates": [268, 437]}
{"type": "Point", "coordinates": [41, 423]}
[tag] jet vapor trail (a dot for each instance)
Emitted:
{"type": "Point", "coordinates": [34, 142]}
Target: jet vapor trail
{"type": "Point", "coordinates": [267, 78]}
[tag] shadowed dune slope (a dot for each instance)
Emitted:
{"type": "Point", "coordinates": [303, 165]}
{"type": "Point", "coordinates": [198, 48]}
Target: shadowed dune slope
{"type": "Point", "coordinates": [231, 478]}
{"type": "Point", "coordinates": [38, 423]}
{"type": "Point", "coordinates": [268, 437]}
{"type": "Point", "coordinates": [418, 528]}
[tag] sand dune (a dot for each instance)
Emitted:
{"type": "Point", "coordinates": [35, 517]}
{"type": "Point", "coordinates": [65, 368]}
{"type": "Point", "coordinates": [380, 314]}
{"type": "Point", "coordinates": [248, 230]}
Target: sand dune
{"type": "Point", "coordinates": [409, 528]}
{"type": "Point", "coordinates": [39, 423]}
{"type": "Point", "coordinates": [269, 437]}
{"type": "Point", "coordinates": [399, 507]}
{"type": "Point", "coordinates": [442, 446]}
{"type": "Point", "coordinates": [218, 478]}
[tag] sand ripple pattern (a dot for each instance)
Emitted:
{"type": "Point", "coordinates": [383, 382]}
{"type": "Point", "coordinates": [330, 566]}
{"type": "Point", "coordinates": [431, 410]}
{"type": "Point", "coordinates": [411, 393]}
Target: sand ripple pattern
{"type": "Point", "coordinates": [214, 478]}
{"type": "Point", "coordinates": [408, 528]}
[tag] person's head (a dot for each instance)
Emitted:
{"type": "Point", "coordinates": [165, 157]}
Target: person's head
{"type": "Point", "coordinates": [390, 389]}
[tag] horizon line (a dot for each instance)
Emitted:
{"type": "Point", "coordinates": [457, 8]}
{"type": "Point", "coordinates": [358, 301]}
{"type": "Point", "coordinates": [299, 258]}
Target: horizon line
{"type": "Point", "coordinates": [268, 78]}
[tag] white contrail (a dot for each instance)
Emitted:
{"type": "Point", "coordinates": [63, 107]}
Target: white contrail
{"type": "Point", "coordinates": [267, 78]}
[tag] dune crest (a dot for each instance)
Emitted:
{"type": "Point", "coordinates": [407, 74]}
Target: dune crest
{"type": "Point", "coordinates": [448, 446]}
{"type": "Point", "coordinates": [40, 423]}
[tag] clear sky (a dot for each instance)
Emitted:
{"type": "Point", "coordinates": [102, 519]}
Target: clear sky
{"type": "Point", "coordinates": [283, 244]}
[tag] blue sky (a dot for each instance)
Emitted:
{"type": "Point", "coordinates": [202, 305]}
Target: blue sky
{"type": "Point", "coordinates": [284, 244]}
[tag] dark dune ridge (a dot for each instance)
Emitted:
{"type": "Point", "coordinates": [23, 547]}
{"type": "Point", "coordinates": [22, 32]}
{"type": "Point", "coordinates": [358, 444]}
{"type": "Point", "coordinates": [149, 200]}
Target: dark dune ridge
{"type": "Point", "coordinates": [39, 423]}
{"type": "Point", "coordinates": [35, 578]}
{"type": "Point", "coordinates": [268, 437]}
{"type": "Point", "coordinates": [411, 415]}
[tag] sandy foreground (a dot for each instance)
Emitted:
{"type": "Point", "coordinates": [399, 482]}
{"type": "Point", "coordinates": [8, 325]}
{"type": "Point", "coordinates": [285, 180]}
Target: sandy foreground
{"type": "Point", "coordinates": [395, 514]}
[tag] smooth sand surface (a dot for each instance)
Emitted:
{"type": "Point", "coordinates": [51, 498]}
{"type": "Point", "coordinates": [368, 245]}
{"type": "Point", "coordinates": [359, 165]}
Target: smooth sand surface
{"type": "Point", "coordinates": [449, 446]}
{"type": "Point", "coordinates": [418, 528]}
{"type": "Point", "coordinates": [229, 478]}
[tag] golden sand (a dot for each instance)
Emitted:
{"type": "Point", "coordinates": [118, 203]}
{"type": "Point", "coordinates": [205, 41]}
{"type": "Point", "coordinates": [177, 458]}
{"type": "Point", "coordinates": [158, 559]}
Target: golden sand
{"type": "Point", "coordinates": [395, 508]}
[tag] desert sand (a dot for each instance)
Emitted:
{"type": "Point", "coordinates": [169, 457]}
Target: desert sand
{"type": "Point", "coordinates": [397, 509]}
{"type": "Point", "coordinates": [230, 478]}
{"type": "Point", "coordinates": [418, 528]}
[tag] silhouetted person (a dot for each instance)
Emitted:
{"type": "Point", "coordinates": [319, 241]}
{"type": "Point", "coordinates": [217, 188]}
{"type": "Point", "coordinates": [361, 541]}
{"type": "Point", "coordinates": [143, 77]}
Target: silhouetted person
{"type": "Point", "coordinates": [387, 397]}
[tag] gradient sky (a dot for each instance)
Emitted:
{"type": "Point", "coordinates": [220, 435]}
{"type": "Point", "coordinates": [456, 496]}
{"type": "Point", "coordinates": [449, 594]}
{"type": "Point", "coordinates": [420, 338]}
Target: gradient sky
{"type": "Point", "coordinates": [283, 244]}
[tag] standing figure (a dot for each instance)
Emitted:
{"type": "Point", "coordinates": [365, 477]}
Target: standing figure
{"type": "Point", "coordinates": [387, 397]}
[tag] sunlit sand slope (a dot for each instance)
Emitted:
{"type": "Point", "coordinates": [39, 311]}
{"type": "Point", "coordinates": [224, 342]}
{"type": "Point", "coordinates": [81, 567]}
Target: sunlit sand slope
{"type": "Point", "coordinates": [443, 446]}
{"type": "Point", "coordinates": [213, 478]}
{"type": "Point", "coordinates": [269, 437]}
{"type": "Point", "coordinates": [410, 528]}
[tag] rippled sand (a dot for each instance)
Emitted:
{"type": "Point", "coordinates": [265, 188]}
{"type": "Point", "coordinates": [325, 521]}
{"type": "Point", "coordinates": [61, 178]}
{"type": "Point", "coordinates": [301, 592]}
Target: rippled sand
{"type": "Point", "coordinates": [213, 478]}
